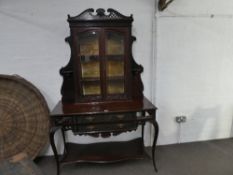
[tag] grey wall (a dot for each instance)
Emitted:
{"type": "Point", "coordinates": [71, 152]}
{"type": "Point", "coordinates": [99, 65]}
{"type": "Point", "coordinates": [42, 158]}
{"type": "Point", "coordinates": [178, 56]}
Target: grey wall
{"type": "Point", "coordinates": [194, 70]}
{"type": "Point", "coordinates": [190, 72]}
{"type": "Point", "coordinates": [32, 43]}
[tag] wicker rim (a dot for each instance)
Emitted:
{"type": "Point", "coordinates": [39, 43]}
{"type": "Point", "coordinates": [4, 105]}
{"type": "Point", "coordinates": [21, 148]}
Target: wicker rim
{"type": "Point", "coordinates": [24, 115]}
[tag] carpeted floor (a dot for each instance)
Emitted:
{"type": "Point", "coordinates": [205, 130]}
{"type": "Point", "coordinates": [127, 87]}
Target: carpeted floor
{"type": "Point", "coordinates": [201, 158]}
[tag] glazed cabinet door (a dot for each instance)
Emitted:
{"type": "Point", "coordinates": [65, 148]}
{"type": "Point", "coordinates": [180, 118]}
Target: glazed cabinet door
{"type": "Point", "coordinates": [116, 63]}
{"type": "Point", "coordinates": [89, 64]}
{"type": "Point", "coordinates": [102, 60]}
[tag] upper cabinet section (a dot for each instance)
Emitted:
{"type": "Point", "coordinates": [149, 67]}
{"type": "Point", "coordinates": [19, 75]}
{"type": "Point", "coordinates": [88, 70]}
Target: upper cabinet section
{"type": "Point", "coordinates": [101, 68]}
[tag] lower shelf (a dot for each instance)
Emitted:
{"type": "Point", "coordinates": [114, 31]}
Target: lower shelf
{"type": "Point", "coordinates": [106, 152]}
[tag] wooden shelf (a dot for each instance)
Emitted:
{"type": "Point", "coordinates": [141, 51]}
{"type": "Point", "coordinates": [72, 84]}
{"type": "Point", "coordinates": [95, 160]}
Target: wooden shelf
{"type": "Point", "coordinates": [105, 152]}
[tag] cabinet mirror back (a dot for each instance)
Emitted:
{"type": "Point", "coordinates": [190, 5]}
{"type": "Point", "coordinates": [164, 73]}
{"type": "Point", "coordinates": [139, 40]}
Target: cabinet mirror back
{"type": "Point", "coordinates": [101, 70]}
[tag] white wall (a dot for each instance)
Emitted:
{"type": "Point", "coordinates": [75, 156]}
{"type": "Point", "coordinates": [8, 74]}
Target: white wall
{"type": "Point", "coordinates": [32, 43]}
{"type": "Point", "coordinates": [194, 70]}
{"type": "Point", "coordinates": [193, 59]}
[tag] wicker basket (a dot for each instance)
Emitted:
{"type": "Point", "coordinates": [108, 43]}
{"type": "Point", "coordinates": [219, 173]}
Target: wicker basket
{"type": "Point", "coordinates": [24, 118]}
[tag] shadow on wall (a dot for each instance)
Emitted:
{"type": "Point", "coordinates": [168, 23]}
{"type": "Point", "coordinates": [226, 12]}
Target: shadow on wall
{"type": "Point", "coordinates": [204, 123]}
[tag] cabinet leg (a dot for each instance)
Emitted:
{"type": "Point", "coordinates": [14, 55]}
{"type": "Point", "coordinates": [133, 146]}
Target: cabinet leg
{"type": "Point", "coordinates": [156, 128]}
{"type": "Point", "coordinates": [143, 136]}
{"type": "Point", "coordinates": [64, 141]}
{"type": "Point", "coordinates": [51, 136]}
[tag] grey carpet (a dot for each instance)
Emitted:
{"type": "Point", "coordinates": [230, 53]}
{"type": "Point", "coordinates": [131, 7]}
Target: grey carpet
{"type": "Point", "coordinates": [201, 158]}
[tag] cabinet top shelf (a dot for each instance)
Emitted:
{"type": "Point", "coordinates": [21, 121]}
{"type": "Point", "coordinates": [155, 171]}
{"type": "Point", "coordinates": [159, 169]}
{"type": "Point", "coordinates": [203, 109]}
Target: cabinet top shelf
{"type": "Point", "coordinates": [69, 110]}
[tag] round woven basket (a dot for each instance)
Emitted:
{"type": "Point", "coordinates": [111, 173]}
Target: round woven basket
{"type": "Point", "coordinates": [24, 118]}
{"type": "Point", "coordinates": [21, 167]}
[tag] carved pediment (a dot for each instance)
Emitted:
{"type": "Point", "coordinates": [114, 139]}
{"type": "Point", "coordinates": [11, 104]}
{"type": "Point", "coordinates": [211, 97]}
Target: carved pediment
{"type": "Point", "coordinates": [99, 15]}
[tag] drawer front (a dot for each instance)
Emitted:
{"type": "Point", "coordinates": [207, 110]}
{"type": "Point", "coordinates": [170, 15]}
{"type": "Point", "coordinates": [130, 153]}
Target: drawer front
{"type": "Point", "coordinates": [105, 127]}
{"type": "Point", "coordinates": [106, 118]}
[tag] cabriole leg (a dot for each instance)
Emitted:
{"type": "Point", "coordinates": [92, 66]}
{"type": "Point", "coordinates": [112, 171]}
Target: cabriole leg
{"type": "Point", "coordinates": [51, 135]}
{"type": "Point", "coordinates": [156, 129]}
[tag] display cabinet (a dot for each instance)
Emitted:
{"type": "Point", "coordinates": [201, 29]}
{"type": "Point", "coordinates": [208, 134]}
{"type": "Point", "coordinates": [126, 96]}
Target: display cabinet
{"type": "Point", "coordinates": [102, 91]}
{"type": "Point", "coordinates": [101, 68]}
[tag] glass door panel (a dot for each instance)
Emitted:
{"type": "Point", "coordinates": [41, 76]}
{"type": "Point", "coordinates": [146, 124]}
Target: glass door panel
{"type": "Point", "coordinates": [115, 43]}
{"type": "Point", "coordinates": [90, 67]}
{"type": "Point", "coordinates": [91, 88]}
{"type": "Point", "coordinates": [89, 54]}
{"type": "Point", "coordinates": [88, 43]}
{"type": "Point", "coordinates": [115, 54]}
{"type": "Point", "coordinates": [115, 67]}
{"type": "Point", "coordinates": [115, 64]}
{"type": "Point", "coordinates": [115, 87]}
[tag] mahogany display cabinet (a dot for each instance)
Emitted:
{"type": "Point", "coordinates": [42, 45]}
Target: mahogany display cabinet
{"type": "Point", "coordinates": [102, 91]}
